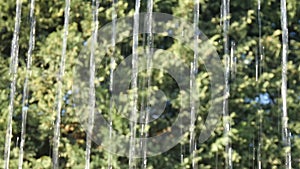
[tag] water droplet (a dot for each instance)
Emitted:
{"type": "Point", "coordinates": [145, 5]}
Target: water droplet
{"type": "Point", "coordinates": [247, 61]}
{"type": "Point", "coordinates": [25, 108]}
{"type": "Point", "coordinates": [69, 92]}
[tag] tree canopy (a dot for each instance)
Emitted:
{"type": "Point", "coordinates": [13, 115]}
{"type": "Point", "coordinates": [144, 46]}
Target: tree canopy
{"type": "Point", "coordinates": [254, 106]}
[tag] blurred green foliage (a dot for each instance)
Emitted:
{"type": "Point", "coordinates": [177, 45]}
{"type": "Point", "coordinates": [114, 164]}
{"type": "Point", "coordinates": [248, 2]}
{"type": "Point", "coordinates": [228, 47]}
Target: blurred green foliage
{"type": "Point", "coordinates": [247, 102]}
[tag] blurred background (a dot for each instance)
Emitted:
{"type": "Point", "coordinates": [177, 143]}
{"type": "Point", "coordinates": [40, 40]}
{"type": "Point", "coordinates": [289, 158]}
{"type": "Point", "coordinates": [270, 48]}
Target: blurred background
{"type": "Point", "coordinates": [254, 105]}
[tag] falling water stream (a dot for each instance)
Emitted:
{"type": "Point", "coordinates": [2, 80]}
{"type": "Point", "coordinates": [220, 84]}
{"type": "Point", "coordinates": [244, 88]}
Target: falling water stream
{"type": "Point", "coordinates": [253, 154]}
{"type": "Point", "coordinates": [260, 46]}
{"type": "Point", "coordinates": [285, 131]}
{"type": "Point", "coordinates": [111, 82]}
{"type": "Point", "coordinates": [258, 66]}
{"type": "Point", "coordinates": [92, 99]}
{"type": "Point", "coordinates": [59, 89]}
{"type": "Point", "coordinates": [25, 88]}
{"type": "Point", "coordinates": [192, 121]}
{"type": "Point", "coordinates": [233, 61]}
{"type": "Point", "coordinates": [226, 22]}
{"type": "Point", "coordinates": [13, 71]}
{"type": "Point", "coordinates": [133, 116]}
{"type": "Point", "coordinates": [230, 60]}
{"type": "Point", "coordinates": [259, 57]}
{"type": "Point", "coordinates": [259, 145]}
{"type": "Point", "coordinates": [111, 78]}
{"type": "Point", "coordinates": [194, 72]}
{"type": "Point", "coordinates": [145, 111]}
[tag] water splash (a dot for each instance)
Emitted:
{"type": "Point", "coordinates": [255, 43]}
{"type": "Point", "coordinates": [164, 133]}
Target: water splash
{"type": "Point", "coordinates": [13, 71]}
{"type": "Point", "coordinates": [59, 89]}
{"type": "Point", "coordinates": [285, 132]}
{"type": "Point", "coordinates": [226, 21]}
{"type": "Point", "coordinates": [25, 89]}
{"type": "Point", "coordinates": [92, 99]}
{"type": "Point", "coordinates": [133, 116]}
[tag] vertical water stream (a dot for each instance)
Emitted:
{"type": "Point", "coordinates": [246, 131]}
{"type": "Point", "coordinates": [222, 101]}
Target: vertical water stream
{"type": "Point", "coordinates": [25, 88]}
{"type": "Point", "coordinates": [13, 71]}
{"type": "Point", "coordinates": [134, 87]}
{"type": "Point", "coordinates": [56, 138]}
{"type": "Point", "coordinates": [285, 131]}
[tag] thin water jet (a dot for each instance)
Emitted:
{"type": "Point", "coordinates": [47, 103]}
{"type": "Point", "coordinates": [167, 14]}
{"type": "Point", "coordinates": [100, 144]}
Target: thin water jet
{"type": "Point", "coordinates": [182, 148]}
{"type": "Point", "coordinates": [192, 115]}
{"type": "Point", "coordinates": [259, 160]}
{"type": "Point", "coordinates": [133, 116]}
{"type": "Point", "coordinates": [13, 71]}
{"type": "Point", "coordinates": [226, 21]}
{"type": "Point", "coordinates": [256, 66]}
{"type": "Point", "coordinates": [111, 78]}
{"type": "Point", "coordinates": [260, 46]}
{"type": "Point", "coordinates": [258, 69]}
{"type": "Point", "coordinates": [25, 88]}
{"type": "Point", "coordinates": [56, 138]}
{"type": "Point", "coordinates": [148, 53]}
{"type": "Point", "coordinates": [92, 100]}
{"type": "Point", "coordinates": [285, 130]}
{"type": "Point", "coordinates": [193, 87]}
{"type": "Point", "coordinates": [232, 61]}
{"type": "Point", "coordinates": [259, 121]}
{"type": "Point", "coordinates": [253, 154]}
